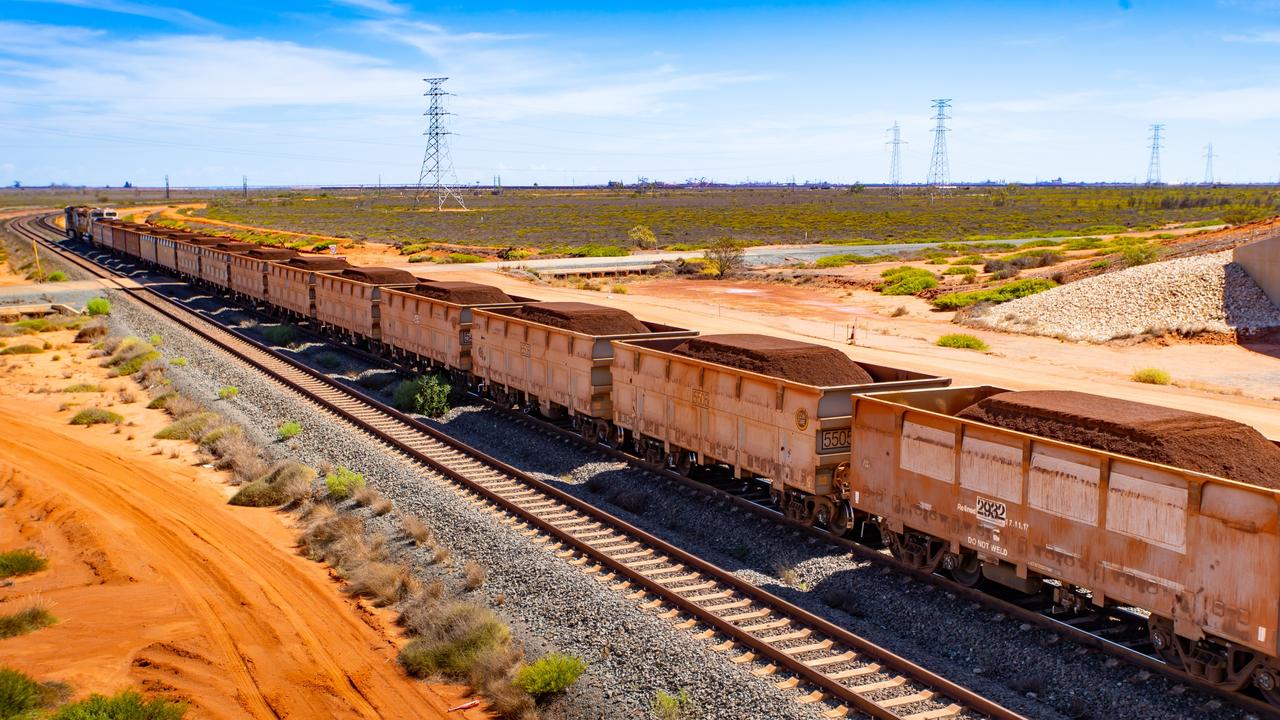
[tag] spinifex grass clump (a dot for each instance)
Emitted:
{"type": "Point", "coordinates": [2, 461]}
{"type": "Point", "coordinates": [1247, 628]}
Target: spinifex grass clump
{"type": "Point", "coordinates": [21, 562]}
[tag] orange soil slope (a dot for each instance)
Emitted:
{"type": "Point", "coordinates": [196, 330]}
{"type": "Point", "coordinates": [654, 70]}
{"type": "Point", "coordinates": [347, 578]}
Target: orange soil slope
{"type": "Point", "coordinates": [157, 582]}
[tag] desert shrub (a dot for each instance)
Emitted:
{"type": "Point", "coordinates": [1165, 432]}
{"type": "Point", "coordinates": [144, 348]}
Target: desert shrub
{"type": "Point", "coordinates": [1100, 264]}
{"type": "Point", "coordinates": [94, 330]}
{"type": "Point", "coordinates": [227, 392]}
{"type": "Point", "coordinates": [217, 434]}
{"type": "Point", "coordinates": [280, 334]}
{"type": "Point", "coordinates": [129, 355]}
{"type": "Point", "coordinates": [415, 529]}
{"type": "Point", "coordinates": [1033, 259]}
{"type": "Point", "coordinates": [24, 621]}
{"type": "Point", "coordinates": [969, 260]}
{"type": "Point", "coordinates": [968, 272]}
{"type": "Point", "coordinates": [187, 427]}
{"type": "Point", "coordinates": [452, 639]}
{"type": "Point", "coordinates": [328, 361]}
{"type": "Point", "coordinates": [1135, 255]}
{"type": "Point", "coordinates": [289, 430]}
{"type": "Point", "coordinates": [1003, 293]}
{"type": "Point", "coordinates": [906, 280]}
{"type": "Point", "coordinates": [672, 706]}
{"type": "Point", "coordinates": [381, 582]}
{"type": "Point", "coordinates": [834, 261]}
{"type": "Point", "coordinates": [428, 395]}
{"type": "Point", "coordinates": [158, 402]}
{"type": "Point", "coordinates": [95, 416]}
{"type": "Point", "coordinates": [56, 276]}
{"type": "Point", "coordinates": [155, 339]}
{"type": "Point", "coordinates": [180, 406]}
{"type": "Point", "coordinates": [1151, 376]}
{"type": "Point", "coordinates": [98, 306]}
{"type": "Point", "coordinates": [239, 455]}
{"type": "Point", "coordinates": [33, 325]}
{"type": "Point", "coordinates": [125, 705]}
{"type": "Point", "coordinates": [341, 483]}
{"type": "Point", "coordinates": [549, 674]}
{"type": "Point", "coordinates": [962, 341]}
{"type": "Point", "coordinates": [474, 575]}
{"type": "Point", "coordinates": [178, 361]}
{"type": "Point", "coordinates": [21, 698]}
{"type": "Point", "coordinates": [82, 388]}
{"type": "Point", "coordinates": [1088, 243]}
{"type": "Point", "coordinates": [1040, 244]}
{"type": "Point", "coordinates": [21, 562]}
{"type": "Point", "coordinates": [23, 349]}
{"type": "Point", "coordinates": [595, 250]}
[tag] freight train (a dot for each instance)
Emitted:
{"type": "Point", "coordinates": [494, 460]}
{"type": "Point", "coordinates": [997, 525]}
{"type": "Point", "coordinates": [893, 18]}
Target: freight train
{"type": "Point", "coordinates": [1060, 498]}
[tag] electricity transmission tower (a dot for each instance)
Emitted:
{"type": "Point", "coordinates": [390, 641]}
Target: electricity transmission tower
{"type": "Point", "coordinates": [1208, 164]}
{"type": "Point", "coordinates": [436, 162]}
{"type": "Point", "coordinates": [939, 171]}
{"type": "Point", "coordinates": [895, 161]}
{"type": "Point", "coordinates": [1153, 167]}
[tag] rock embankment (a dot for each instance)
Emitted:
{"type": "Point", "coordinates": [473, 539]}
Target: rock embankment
{"type": "Point", "coordinates": [1204, 294]}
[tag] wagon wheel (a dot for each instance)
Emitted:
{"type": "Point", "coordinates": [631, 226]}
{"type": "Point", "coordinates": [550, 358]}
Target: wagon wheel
{"type": "Point", "coordinates": [893, 541]}
{"type": "Point", "coordinates": [1164, 641]}
{"type": "Point", "coordinates": [653, 454]}
{"type": "Point", "coordinates": [1267, 680]}
{"type": "Point", "coordinates": [967, 570]}
{"type": "Point", "coordinates": [683, 462]}
{"type": "Point", "coordinates": [841, 522]}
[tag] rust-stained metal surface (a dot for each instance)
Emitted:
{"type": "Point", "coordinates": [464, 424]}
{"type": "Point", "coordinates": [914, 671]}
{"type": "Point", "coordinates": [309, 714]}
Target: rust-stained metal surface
{"type": "Point", "coordinates": [792, 433]}
{"type": "Point", "coordinates": [1201, 551]}
{"type": "Point", "coordinates": [350, 304]}
{"type": "Point", "coordinates": [558, 367]}
{"type": "Point", "coordinates": [436, 330]}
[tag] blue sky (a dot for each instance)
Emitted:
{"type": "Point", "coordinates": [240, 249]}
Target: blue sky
{"type": "Point", "coordinates": [104, 91]}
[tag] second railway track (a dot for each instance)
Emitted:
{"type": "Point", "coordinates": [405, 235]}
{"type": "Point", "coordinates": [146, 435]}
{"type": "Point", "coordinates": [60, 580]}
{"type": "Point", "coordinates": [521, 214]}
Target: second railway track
{"type": "Point", "coordinates": [818, 660]}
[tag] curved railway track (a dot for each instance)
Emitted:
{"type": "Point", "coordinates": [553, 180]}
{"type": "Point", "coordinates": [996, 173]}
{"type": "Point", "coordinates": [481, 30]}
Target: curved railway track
{"type": "Point", "coordinates": [803, 653]}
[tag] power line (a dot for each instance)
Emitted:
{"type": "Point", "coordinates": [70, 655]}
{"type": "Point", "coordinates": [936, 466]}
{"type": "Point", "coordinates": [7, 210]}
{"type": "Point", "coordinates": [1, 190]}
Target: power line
{"type": "Point", "coordinates": [436, 161]}
{"type": "Point", "coordinates": [1153, 166]}
{"type": "Point", "coordinates": [895, 159]}
{"type": "Point", "coordinates": [1208, 165]}
{"type": "Point", "coordinates": [939, 167]}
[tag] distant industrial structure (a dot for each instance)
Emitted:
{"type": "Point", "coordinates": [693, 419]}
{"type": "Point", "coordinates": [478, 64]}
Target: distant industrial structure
{"type": "Point", "coordinates": [1153, 166]}
{"type": "Point", "coordinates": [1208, 164]}
{"type": "Point", "coordinates": [437, 164]}
{"type": "Point", "coordinates": [895, 159]}
{"type": "Point", "coordinates": [939, 168]}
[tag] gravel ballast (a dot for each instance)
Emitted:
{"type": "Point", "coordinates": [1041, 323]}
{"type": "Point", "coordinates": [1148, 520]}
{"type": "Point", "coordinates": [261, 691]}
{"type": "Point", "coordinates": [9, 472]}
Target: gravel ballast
{"type": "Point", "coordinates": [630, 654]}
{"type": "Point", "coordinates": [1207, 293]}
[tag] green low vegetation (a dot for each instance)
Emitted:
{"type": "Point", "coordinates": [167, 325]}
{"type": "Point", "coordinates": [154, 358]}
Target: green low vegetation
{"type": "Point", "coordinates": [125, 705]}
{"type": "Point", "coordinates": [673, 706]}
{"type": "Point", "coordinates": [129, 355]}
{"type": "Point", "coordinates": [906, 280]}
{"type": "Point", "coordinates": [159, 401]}
{"type": "Point", "coordinates": [342, 483]}
{"type": "Point", "coordinates": [226, 392]}
{"type": "Point", "coordinates": [178, 361]}
{"type": "Point", "coordinates": [283, 483]}
{"type": "Point", "coordinates": [98, 306]}
{"type": "Point", "coordinates": [1000, 294]}
{"type": "Point", "coordinates": [14, 563]}
{"type": "Point", "coordinates": [187, 427]}
{"type": "Point", "coordinates": [843, 259]}
{"type": "Point", "coordinates": [96, 416]}
{"type": "Point", "coordinates": [962, 341]}
{"type": "Point", "coordinates": [280, 334]}
{"type": "Point", "coordinates": [550, 674]}
{"type": "Point", "coordinates": [26, 620]}
{"type": "Point", "coordinates": [22, 698]}
{"type": "Point", "coordinates": [1151, 376]}
{"type": "Point", "coordinates": [458, 258]}
{"type": "Point", "coordinates": [461, 634]}
{"type": "Point", "coordinates": [289, 430]}
{"type": "Point", "coordinates": [23, 349]}
{"type": "Point", "coordinates": [82, 388]}
{"type": "Point", "coordinates": [427, 395]}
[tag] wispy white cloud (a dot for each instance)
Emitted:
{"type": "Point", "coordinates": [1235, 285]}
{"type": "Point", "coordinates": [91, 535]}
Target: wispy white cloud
{"type": "Point", "coordinates": [1233, 106]}
{"type": "Point", "coordinates": [173, 15]}
{"type": "Point", "coordinates": [380, 7]}
{"type": "Point", "coordinates": [1255, 37]}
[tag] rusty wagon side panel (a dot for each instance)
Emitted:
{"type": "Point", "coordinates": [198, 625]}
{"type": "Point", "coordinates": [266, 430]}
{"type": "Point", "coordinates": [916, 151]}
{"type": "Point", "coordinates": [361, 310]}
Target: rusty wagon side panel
{"type": "Point", "coordinates": [792, 433]}
{"type": "Point", "coordinates": [351, 305]}
{"type": "Point", "coordinates": [1197, 549]}
{"type": "Point", "coordinates": [437, 330]}
{"type": "Point", "coordinates": [147, 244]}
{"type": "Point", "coordinates": [568, 369]}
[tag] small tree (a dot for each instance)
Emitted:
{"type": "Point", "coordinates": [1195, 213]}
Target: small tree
{"type": "Point", "coordinates": [642, 237]}
{"type": "Point", "coordinates": [725, 256]}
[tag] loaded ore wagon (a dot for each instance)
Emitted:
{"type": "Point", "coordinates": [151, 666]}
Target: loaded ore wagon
{"type": "Point", "coordinates": [131, 236]}
{"type": "Point", "coordinates": [187, 247]}
{"type": "Point", "coordinates": [249, 270]}
{"type": "Point", "coordinates": [215, 261]}
{"type": "Point", "coordinates": [349, 302]}
{"type": "Point", "coordinates": [769, 408]}
{"type": "Point", "coordinates": [148, 244]}
{"type": "Point", "coordinates": [166, 248]}
{"type": "Point", "coordinates": [557, 357]}
{"type": "Point", "coordinates": [291, 284]}
{"type": "Point", "coordinates": [430, 323]}
{"type": "Point", "coordinates": [1169, 511]}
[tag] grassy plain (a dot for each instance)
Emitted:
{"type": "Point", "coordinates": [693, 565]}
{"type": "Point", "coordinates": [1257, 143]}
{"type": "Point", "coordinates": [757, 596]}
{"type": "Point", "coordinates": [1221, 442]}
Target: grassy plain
{"type": "Point", "coordinates": [553, 219]}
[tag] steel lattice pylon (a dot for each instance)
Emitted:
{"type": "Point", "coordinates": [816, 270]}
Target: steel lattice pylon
{"type": "Point", "coordinates": [1153, 167]}
{"type": "Point", "coordinates": [895, 160]}
{"type": "Point", "coordinates": [436, 162]}
{"type": "Point", "coordinates": [939, 168]}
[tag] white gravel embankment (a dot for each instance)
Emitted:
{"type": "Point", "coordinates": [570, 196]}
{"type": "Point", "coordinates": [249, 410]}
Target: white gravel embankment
{"type": "Point", "coordinates": [1207, 293]}
{"type": "Point", "coordinates": [631, 654]}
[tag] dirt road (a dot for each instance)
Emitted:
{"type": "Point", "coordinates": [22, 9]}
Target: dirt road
{"type": "Point", "coordinates": [158, 583]}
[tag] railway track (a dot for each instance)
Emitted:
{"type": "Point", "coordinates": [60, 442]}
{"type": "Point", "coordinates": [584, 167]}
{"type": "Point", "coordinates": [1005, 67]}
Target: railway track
{"type": "Point", "coordinates": [806, 655]}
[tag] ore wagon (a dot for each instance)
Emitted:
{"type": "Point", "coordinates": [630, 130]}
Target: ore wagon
{"type": "Point", "coordinates": [556, 357]}
{"type": "Point", "coordinates": [166, 248]}
{"type": "Point", "coordinates": [1200, 552]}
{"type": "Point", "coordinates": [349, 302]}
{"type": "Point", "coordinates": [249, 270]}
{"type": "Point", "coordinates": [291, 284]}
{"type": "Point", "coordinates": [147, 243]}
{"type": "Point", "coordinates": [132, 239]}
{"type": "Point", "coordinates": [768, 408]}
{"type": "Point", "coordinates": [215, 261]}
{"type": "Point", "coordinates": [430, 323]}
{"type": "Point", "coordinates": [187, 249]}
